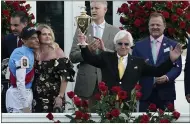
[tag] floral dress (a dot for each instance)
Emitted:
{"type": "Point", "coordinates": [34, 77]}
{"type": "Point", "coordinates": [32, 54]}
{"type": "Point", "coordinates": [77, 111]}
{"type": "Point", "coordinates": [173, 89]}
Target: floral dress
{"type": "Point", "coordinates": [47, 82]}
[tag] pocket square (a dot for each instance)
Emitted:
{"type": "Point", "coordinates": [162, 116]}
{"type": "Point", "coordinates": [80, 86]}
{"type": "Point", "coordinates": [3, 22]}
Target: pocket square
{"type": "Point", "coordinates": [135, 67]}
{"type": "Point", "coordinates": [167, 50]}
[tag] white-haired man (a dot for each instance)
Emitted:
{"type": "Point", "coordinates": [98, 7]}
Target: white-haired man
{"type": "Point", "coordinates": [88, 76]}
{"type": "Point", "coordinates": [120, 68]}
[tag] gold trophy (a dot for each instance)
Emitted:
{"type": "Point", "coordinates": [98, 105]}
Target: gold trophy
{"type": "Point", "coordinates": [83, 21]}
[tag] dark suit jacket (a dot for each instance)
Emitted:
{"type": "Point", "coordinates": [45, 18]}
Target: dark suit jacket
{"type": "Point", "coordinates": [8, 44]}
{"type": "Point", "coordinates": [187, 71]}
{"type": "Point", "coordinates": [136, 68]}
{"type": "Point", "coordinates": [166, 91]}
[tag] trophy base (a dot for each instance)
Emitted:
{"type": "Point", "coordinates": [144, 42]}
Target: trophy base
{"type": "Point", "coordinates": [82, 44]}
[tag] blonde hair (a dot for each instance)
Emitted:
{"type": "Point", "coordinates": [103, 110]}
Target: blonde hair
{"type": "Point", "coordinates": [42, 26]}
{"type": "Point", "coordinates": [121, 34]}
{"type": "Point", "coordinates": [105, 3]}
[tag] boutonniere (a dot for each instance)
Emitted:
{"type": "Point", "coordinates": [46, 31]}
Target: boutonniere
{"type": "Point", "coordinates": [136, 67]}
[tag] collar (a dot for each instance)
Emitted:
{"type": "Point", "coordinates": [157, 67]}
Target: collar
{"type": "Point", "coordinates": [124, 57]}
{"type": "Point", "coordinates": [102, 25]}
{"type": "Point", "coordinates": [158, 39]}
{"type": "Point", "coordinates": [25, 47]}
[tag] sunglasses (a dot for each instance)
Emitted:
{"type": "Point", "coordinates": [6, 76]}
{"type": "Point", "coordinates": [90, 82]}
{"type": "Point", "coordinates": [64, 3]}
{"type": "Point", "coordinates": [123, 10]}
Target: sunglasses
{"type": "Point", "coordinates": [120, 44]}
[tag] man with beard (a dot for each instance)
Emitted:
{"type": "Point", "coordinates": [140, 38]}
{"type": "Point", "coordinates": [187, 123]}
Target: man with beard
{"type": "Point", "coordinates": [18, 21]}
{"type": "Point", "coordinates": [88, 76]}
{"type": "Point", "coordinates": [155, 50]}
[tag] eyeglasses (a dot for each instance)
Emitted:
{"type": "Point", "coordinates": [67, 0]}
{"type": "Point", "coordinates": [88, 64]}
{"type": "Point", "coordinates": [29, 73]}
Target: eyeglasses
{"type": "Point", "coordinates": [120, 44]}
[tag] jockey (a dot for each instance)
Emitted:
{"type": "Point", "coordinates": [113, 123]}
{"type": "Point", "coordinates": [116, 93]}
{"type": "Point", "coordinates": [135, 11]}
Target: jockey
{"type": "Point", "coordinates": [21, 64]}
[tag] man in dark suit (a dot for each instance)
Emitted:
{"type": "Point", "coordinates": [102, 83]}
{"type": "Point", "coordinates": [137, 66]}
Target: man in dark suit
{"type": "Point", "coordinates": [133, 68]}
{"type": "Point", "coordinates": [88, 76]}
{"type": "Point", "coordinates": [159, 90]}
{"type": "Point", "coordinates": [187, 73]}
{"type": "Point", "coordinates": [18, 21]}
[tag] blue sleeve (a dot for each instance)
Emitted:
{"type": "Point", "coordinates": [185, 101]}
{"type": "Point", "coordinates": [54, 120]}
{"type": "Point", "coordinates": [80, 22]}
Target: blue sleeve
{"type": "Point", "coordinates": [175, 71]}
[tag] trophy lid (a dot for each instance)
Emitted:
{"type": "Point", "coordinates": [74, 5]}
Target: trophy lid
{"type": "Point", "coordinates": [83, 12]}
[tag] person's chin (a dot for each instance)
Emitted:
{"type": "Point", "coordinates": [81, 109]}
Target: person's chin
{"type": "Point", "coordinates": [15, 33]}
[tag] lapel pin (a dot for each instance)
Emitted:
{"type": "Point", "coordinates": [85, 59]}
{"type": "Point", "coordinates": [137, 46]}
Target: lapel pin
{"type": "Point", "coordinates": [135, 67]}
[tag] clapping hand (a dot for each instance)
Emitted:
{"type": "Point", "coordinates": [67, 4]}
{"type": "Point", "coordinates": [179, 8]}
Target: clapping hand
{"type": "Point", "coordinates": [175, 52]}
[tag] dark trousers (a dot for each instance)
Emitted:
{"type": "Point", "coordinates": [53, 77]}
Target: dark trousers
{"type": "Point", "coordinates": [154, 98]}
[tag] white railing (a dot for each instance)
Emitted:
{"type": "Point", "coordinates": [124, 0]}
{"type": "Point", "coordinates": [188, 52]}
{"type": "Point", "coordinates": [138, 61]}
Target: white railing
{"type": "Point", "coordinates": [41, 117]}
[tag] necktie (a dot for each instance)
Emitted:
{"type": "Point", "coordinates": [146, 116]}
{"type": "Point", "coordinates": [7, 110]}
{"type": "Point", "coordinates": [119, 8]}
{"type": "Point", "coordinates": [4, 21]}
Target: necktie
{"type": "Point", "coordinates": [19, 43]}
{"type": "Point", "coordinates": [97, 34]}
{"type": "Point", "coordinates": [121, 67]}
{"type": "Point", "coordinates": [154, 51]}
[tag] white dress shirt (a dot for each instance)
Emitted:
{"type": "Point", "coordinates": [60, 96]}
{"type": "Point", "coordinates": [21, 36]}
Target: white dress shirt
{"type": "Point", "coordinates": [101, 28]}
{"type": "Point", "coordinates": [125, 60]}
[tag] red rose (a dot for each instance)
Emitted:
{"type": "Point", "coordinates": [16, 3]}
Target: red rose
{"type": "Point", "coordinates": [109, 116]}
{"type": "Point", "coordinates": [143, 29]}
{"type": "Point", "coordinates": [171, 31]}
{"type": "Point", "coordinates": [31, 24]}
{"type": "Point", "coordinates": [126, 10]}
{"type": "Point", "coordinates": [124, 5]}
{"type": "Point", "coordinates": [85, 103]}
{"type": "Point", "coordinates": [148, 5]}
{"type": "Point", "coordinates": [116, 89]}
{"type": "Point", "coordinates": [5, 12]}
{"type": "Point", "coordinates": [119, 10]}
{"type": "Point", "coordinates": [176, 114]}
{"type": "Point", "coordinates": [138, 86]}
{"type": "Point", "coordinates": [103, 88]}
{"type": "Point", "coordinates": [164, 121]}
{"type": "Point", "coordinates": [179, 11]}
{"type": "Point", "coordinates": [86, 116]}
{"type": "Point", "coordinates": [115, 112]}
{"type": "Point", "coordinates": [137, 22]}
{"type": "Point", "coordinates": [32, 16]}
{"type": "Point", "coordinates": [78, 114]}
{"type": "Point", "coordinates": [187, 16]}
{"type": "Point", "coordinates": [27, 6]}
{"type": "Point", "coordinates": [138, 95]}
{"type": "Point", "coordinates": [122, 95]}
{"type": "Point", "coordinates": [182, 24]}
{"type": "Point", "coordinates": [22, 8]}
{"type": "Point", "coordinates": [166, 14]}
{"type": "Point", "coordinates": [49, 116]}
{"type": "Point", "coordinates": [152, 107]}
{"type": "Point", "coordinates": [188, 30]}
{"type": "Point", "coordinates": [70, 94]}
{"type": "Point", "coordinates": [15, 4]}
{"type": "Point", "coordinates": [77, 101]}
{"type": "Point", "coordinates": [101, 83]}
{"type": "Point", "coordinates": [169, 5]}
{"type": "Point", "coordinates": [144, 119]}
{"type": "Point", "coordinates": [132, 7]}
{"type": "Point", "coordinates": [170, 107]}
{"type": "Point", "coordinates": [184, 4]}
{"type": "Point", "coordinates": [174, 18]}
{"type": "Point", "coordinates": [161, 112]}
{"type": "Point", "coordinates": [97, 96]}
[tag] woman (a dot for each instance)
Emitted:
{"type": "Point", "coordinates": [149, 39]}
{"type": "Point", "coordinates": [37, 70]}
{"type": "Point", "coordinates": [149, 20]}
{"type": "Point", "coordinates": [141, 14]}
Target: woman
{"type": "Point", "coordinates": [52, 73]}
